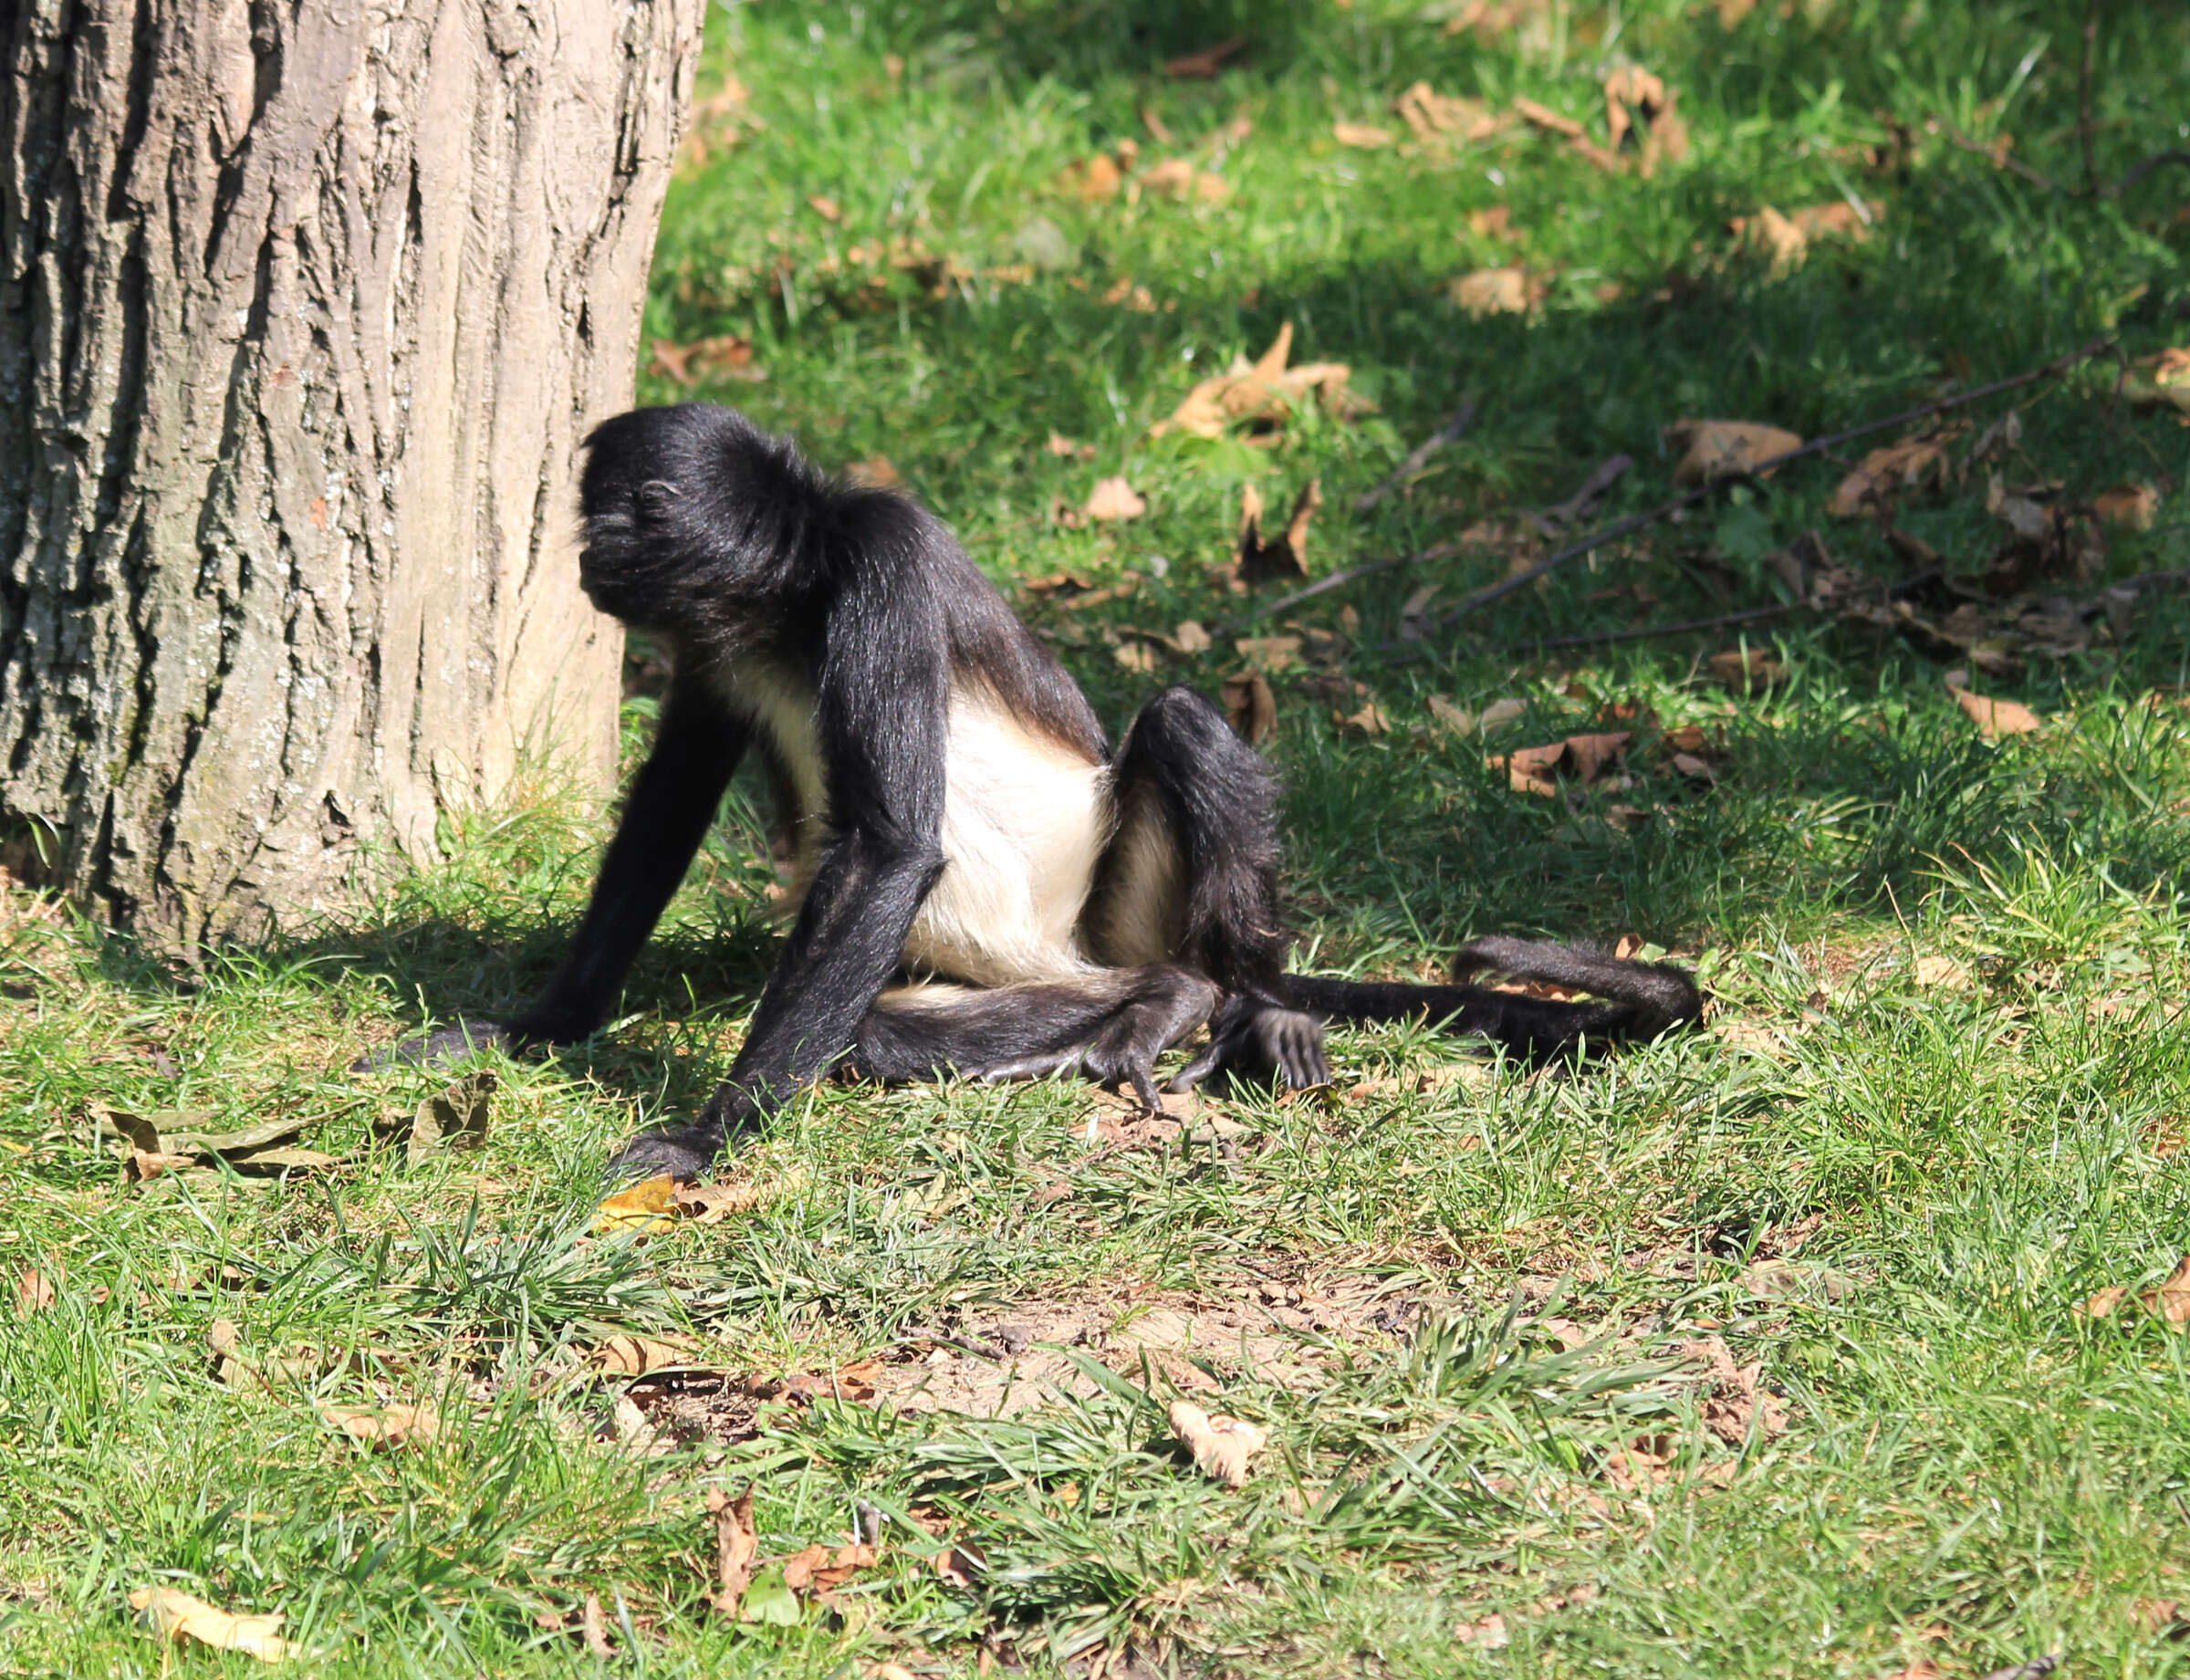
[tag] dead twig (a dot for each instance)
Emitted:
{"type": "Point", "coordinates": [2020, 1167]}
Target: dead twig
{"type": "Point", "coordinates": [2137, 172]}
{"type": "Point", "coordinates": [1324, 586]}
{"type": "Point", "coordinates": [1450, 432]}
{"type": "Point", "coordinates": [1999, 158]}
{"type": "Point", "coordinates": [1816, 446]}
{"type": "Point", "coordinates": [1597, 637]}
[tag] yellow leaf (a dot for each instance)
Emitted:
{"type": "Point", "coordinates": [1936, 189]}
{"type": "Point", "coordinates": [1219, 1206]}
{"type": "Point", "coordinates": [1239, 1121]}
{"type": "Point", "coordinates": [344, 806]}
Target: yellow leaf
{"type": "Point", "coordinates": [174, 1615]}
{"type": "Point", "coordinates": [642, 1207]}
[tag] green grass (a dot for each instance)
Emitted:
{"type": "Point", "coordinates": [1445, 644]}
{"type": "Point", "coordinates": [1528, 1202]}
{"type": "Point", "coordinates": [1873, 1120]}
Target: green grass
{"type": "Point", "coordinates": [1945, 1099]}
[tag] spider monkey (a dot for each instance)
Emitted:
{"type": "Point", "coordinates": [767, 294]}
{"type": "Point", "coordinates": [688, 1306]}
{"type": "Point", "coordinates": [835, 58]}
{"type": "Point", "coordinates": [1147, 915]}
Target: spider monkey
{"type": "Point", "coordinates": [982, 887]}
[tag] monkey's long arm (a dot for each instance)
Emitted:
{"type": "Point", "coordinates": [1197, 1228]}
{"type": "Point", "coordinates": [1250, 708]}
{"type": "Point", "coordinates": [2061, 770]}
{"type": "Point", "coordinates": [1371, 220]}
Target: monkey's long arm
{"type": "Point", "coordinates": [696, 749]}
{"type": "Point", "coordinates": [882, 727]}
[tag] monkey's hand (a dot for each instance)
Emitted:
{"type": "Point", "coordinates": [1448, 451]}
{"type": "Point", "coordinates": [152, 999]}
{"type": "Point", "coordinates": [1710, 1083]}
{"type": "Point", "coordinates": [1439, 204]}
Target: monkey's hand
{"type": "Point", "coordinates": [1254, 1040]}
{"type": "Point", "coordinates": [448, 1044]}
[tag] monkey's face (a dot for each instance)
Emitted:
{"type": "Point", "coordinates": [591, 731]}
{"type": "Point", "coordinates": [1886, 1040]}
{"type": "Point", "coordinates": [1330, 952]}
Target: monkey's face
{"type": "Point", "coordinates": [635, 566]}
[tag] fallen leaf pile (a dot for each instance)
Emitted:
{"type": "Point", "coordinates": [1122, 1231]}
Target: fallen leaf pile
{"type": "Point", "coordinates": [1265, 393]}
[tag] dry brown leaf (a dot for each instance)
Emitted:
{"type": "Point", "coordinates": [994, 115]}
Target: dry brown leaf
{"type": "Point", "coordinates": [1113, 499]}
{"type": "Point", "coordinates": [818, 1569]}
{"type": "Point", "coordinates": [724, 356]}
{"type": "Point", "coordinates": [1271, 654]}
{"type": "Point", "coordinates": [1369, 720]}
{"type": "Point", "coordinates": [2159, 382]}
{"type": "Point", "coordinates": [174, 1615]}
{"type": "Point", "coordinates": [1064, 447]}
{"type": "Point", "coordinates": [1731, 12]}
{"type": "Point", "coordinates": [628, 1355]}
{"type": "Point", "coordinates": [644, 1207]}
{"type": "Point", "coordinates": [1725, 448]}
{"type": "Point", "coordinates": [2135, 506]}
{"type": "Point", "coordinates": [1250, 708]}
{"type": "Point", "coordinates": [1451, 718]}
{"type": "Point", "coordinates": [1694, 768]}
{"type": "Point", "coordinates": [875, 473]}
{"type": "Point", "coordinates": [1898, 467]}
{"type": "Point", "coordinates": [1263, 392]}
{"type": "Point", "coordinates": [1365, 136]}
{"type": "Point", "coordinates": [1095, 180]}
{"type": "Point", "coordinates": [1190, 637]}
{"type": "Point", "coordinates": [593, 1628]}
{"type": "Point", "coordinates": [1510, 290]}
{"type": "Point", "coordinates": [1993, 718]}
{"type": "Point", "coordinates": [1535, 769]}
{"type": "Point", "coordinates": [1222, 1445]}
{"type": "Point", "coordinates": [2168, 1300]}
{"type": "Point", "coordinates": [827, 208]}
{"type": "Point", "coordinates": [1785, 239]}
{"type": "Point", "coordinates": [1286, 559]}
{"type": "Point", "coordinates": [736, 1544]}
{"type": "Point", "coordinates": [712, 1203]}
{"type": "Point", "coordinates": [35, 1292]}
{"type": "Point", "coordinates": [391, 1426]}
{"type": "Point", "coordinates": [1747, 671]}
{"type": "Point", "coordinates": [1443, 118]}
{"type": "Point", "coordinates": [1944, 973]}
{"type": "Point", "coordinates": [1544, 116]}
{"type": "Point", "coordinates": [1500, 713]}
{"type": "Point", "coordinates": [1177, 178]}
{"type": "Point", "coordinates": [1205, 65]}
{"type": "Point", "coordinates": [1136, 655]}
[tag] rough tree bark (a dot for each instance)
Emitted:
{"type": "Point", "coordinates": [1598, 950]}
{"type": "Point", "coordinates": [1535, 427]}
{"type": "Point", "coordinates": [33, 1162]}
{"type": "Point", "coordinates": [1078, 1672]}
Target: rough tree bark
{"type": "Point", "coordinates": [304, 308]}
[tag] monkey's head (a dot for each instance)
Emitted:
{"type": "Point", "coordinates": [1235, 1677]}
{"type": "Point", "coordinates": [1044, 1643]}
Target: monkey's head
{"type": "Point", "coordinates": [695, 520]}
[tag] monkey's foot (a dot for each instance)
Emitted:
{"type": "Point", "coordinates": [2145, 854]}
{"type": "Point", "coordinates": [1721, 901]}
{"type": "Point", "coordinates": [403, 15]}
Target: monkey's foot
{"type": "Point", "coordinates": [1252, 1040]}
{"type": "Point", "coordinates": [430, 1050]}
{"type": "Point", "coordinates": [682, 1156]}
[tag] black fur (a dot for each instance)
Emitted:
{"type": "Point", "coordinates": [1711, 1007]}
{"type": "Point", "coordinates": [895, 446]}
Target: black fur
{"type": "Point", "coordinates": [753, 568]}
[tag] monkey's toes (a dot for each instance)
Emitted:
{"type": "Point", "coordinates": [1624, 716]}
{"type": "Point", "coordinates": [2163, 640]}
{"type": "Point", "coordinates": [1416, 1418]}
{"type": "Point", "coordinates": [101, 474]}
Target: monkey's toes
{"type": "Point", "coordinates": [683, 1156]}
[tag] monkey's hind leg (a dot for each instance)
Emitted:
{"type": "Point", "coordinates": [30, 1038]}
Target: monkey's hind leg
{"type": "Point", "coordinates": [1191, 877]}
{"type": "Point", "coordinates": [1112, 1024]}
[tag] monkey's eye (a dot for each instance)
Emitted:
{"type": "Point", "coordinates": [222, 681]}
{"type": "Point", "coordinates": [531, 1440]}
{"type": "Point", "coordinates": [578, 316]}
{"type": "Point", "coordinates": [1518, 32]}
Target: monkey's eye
{"type": "Point", "coordinates": [656, 499]}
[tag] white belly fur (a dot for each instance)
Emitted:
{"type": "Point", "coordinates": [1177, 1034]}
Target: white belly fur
{"type": "Point", "coordinates": [1024, 819]}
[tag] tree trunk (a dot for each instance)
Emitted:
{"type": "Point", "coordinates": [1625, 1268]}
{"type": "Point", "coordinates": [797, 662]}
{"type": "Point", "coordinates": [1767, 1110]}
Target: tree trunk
{"type": "Point", "coordinates": [304, 308]}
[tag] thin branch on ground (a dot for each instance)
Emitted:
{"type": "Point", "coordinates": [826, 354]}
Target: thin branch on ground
{"type": "Point", "coordinates": [2137, 172]}
{"type": "Point", "coordinates": [2000, 160]}
{"type": "Point", "coordinates": [1450, 432]}
{"type": "Point", "coordinates": [1651, 632]}
{"type": "Point", "coordinates": [1624, 527]}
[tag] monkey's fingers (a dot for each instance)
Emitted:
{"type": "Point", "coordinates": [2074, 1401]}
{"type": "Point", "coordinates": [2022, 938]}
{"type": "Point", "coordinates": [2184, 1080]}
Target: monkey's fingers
{"type": "Point", "coordinates": [431, 1050]}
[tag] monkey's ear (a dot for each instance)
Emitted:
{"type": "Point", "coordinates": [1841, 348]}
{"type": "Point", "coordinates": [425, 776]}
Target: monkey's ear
{"type": "Point", "coordinates": [656, 498]}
